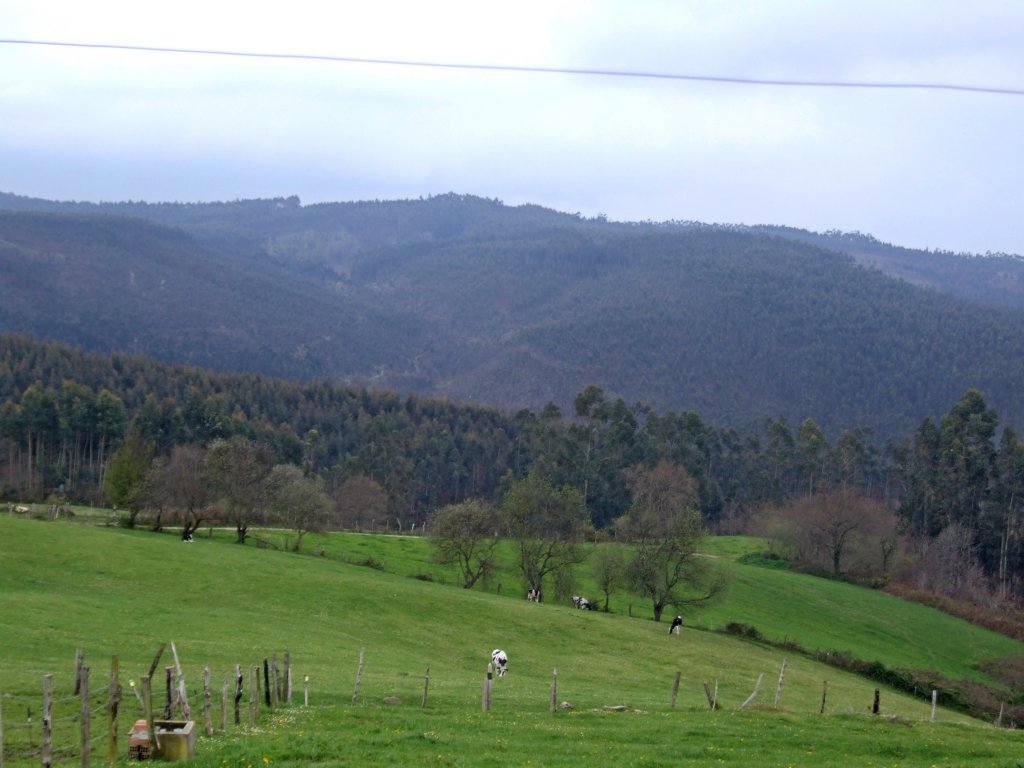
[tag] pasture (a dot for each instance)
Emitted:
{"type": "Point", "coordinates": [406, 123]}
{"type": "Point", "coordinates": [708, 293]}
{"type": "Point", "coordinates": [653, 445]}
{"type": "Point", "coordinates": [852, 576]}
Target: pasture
{"type": "Point", "coordinates": [114, 591]}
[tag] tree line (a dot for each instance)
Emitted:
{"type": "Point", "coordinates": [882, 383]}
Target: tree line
{"type": "Point", "coordinates": [180, 445]}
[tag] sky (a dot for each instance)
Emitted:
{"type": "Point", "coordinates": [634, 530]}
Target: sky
{"type": "Point", "coordinates": [937, 168]}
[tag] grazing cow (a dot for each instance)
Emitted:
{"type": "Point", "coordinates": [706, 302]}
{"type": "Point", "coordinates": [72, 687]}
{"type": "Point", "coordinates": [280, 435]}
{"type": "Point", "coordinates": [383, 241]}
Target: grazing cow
{"type": "Point", "coordinates": [677, 623]}
{"type": "Point", "coordinates": [582, 603]}
{"type": "Point", "coordinates": [500, 660]}
{"type": "Point", "coordinates": [533, 595]}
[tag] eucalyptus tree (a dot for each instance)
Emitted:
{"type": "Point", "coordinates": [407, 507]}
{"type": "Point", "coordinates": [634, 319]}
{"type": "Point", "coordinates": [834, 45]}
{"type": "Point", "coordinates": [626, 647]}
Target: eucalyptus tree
{"type": "Point", "coordinates": [604, 441]}
{"type": "Point", "coordinates": [918, 466]}
{"type": "Point", "coordinates": [124, 479]}
{"type": "Point", "coordinates": [813, 450]}
{"type": "Point", "coordinates": [966, 459]}
{"type": "Point", "coordinates": [1004, 539]}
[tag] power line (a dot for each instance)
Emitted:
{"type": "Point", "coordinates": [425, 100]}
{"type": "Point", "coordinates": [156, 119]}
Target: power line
{"type": "Point", "coordinates": [535, 70]}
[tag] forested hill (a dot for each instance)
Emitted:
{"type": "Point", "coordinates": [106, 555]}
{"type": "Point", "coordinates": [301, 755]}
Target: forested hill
{"type": "Point", "coordinates": [466, 298]}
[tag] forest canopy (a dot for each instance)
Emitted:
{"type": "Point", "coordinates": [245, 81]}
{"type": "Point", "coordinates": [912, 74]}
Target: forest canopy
{"type": "Point", "coordinates": [84, 427]}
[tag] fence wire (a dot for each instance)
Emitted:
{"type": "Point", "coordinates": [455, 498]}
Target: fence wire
{"type": "Point", "coordinates": [22, 722]}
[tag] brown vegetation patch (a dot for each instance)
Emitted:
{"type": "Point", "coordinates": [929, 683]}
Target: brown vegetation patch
{"type": "Point", "coordinates": [1005, 618]}
{"type": "Point", "coordinates": [1008, 672]}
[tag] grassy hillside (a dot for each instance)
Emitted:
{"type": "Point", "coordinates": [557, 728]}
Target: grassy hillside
{"type": "Point", "coordinates": [814, 613]}
{"type": "Point", "coordinates": [112, 591]}
{"type": "Point", "coordinates": [820, 614]}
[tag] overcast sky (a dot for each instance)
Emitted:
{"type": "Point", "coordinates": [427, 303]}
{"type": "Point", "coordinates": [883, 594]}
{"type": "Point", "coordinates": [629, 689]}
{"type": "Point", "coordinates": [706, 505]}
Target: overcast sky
{"type": "Point", "coordinates": [929, 168]}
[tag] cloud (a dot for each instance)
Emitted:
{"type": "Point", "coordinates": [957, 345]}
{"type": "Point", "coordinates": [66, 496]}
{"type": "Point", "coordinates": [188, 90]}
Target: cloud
{"type": "Point", "coordinates": [920, 168]}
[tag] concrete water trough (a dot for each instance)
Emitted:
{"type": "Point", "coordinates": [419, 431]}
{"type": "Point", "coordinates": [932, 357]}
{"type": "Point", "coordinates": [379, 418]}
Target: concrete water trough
{"type": "Point", "coordinates": [177, 739]}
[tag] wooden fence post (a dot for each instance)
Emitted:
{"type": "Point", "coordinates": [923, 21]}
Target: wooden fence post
{"type": "Point", "coordinates": [711, 699]}
{"type": "Point", "coordinates": [751, 697]}
{"type": "Point", "coordinates": [276, 698]}
{"type": "Point", "coordinates": [778, 688]}
{"type": "Point", "coordinates": [238, 694]}
{"type": "Point", "coordinates": [224, 706]}
{"type": "Point", "coordinates": [169, 704]}
{"type": "Point", "coordinates": [426, 686]}
{"type": "Point", "coordinates": [935, 701]}
{"type": "Point", "coordinates": [675, 688]}
{"type": "Point", "coordinates": [79, 659]}
{"type": "Point", "coordinates": [359, 676]}
{"type": "Point", "coordinates": [83, 689]}
{"type": "Point", "coordinates": [487, 688]}
{"type": "Point", "coordinates": [254, 694]}
{"type": "Point", "coordinates": [46, 747]}
{"type": "Point", "coordinates": [255, 691]}
{"type": "Point", "coordinates": [874, 706]}
{"type": "Point", "coordinates": [182, 696]}
{"type": "Point", "coordinates": [288, 678]}
{"type": "Point", "coordinates": [554, 690]}
{"type": "Point", "coordinates": [113, 706]}
{"type": "Point", "coordinates": [279, 684]}
{"type": "Point", "coordinates": [207, 702]}
{"type": "Point", "coordinates": [305, 691]}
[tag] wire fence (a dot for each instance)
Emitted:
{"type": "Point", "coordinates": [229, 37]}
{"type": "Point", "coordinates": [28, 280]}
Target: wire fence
{"type": "Point", "coordinates": [74, 720]}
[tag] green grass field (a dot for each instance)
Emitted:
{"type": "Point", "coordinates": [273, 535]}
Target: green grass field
{"type": "Point", "coordinates": [113, 591]}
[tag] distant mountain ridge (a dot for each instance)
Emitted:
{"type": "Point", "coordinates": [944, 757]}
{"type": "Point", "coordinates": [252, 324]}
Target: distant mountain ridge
{"type": "Point", "coordinates": [466, 298]}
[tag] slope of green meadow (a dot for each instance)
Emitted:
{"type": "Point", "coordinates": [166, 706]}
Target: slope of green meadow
{"type": "Point", "coordinates": [113, 591]}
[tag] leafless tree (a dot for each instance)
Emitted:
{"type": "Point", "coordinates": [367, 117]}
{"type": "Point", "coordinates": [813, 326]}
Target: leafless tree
{"type": "Point", "coordinates": [466, 535]}
{"type": "Point", "coordinates": [664, 526]}
{"type": "Point", "coordinates": [358, 502]}
{"type": "Point", "coordinates": [297, 501]}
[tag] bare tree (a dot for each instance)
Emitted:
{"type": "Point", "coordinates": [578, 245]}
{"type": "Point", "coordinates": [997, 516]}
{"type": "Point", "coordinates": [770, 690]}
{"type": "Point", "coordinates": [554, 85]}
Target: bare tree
{"type": "Point", "coordinates": [665, 528]}
{"type": "Point", "coordinates": [182, 482]}
{"type": "Point", "coordinates": [548, 524]}
{"type": "Point", "coordinates": [837, 530]}
{"type": "Point", "coordinates": [466, 535]}
{"type": "Point", "coordinates": [949, 565]}
{"type": "Point", "coordinates": [608, 568]}
{"type": "Point", "coordinates": [297, 501]}
{"type": "Point", "coordinates": [238, 471]}
{"type": "Point", "coordinates": [358, 501]}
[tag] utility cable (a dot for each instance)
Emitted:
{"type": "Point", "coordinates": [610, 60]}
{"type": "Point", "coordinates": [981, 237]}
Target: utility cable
{"type": "Point", "coordinates": [733, 80]}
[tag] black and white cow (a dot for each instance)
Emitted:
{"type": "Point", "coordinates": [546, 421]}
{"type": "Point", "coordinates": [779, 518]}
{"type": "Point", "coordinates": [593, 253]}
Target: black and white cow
{"type": "Point", "coordinates": [533, 595]}
{"type": "Point", "coordinates": [582, 603]}
{"type": "Point", "coordinates": [500, 660]}
{"type": "Point", "coordinates": [677, 624]}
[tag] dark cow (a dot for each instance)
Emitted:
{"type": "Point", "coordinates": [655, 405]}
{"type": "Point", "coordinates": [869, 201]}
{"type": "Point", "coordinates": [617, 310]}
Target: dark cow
{"type": "Point", "coordinates": [677, 623]}
{"type": "Point", "coordinates": [500, 659]}
{"type": "Point", "coordinates": [582, 603]}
